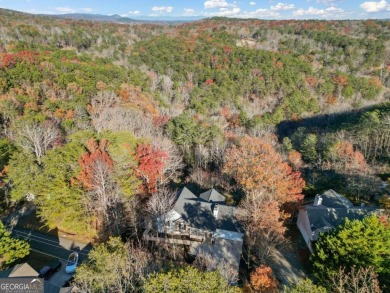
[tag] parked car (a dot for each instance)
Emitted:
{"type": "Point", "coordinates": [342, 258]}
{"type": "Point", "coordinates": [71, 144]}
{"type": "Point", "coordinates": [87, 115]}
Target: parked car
{"type": "Point", "coordinates": [71, 264]}
{"type": "Point", "coordinates": [48, 271]}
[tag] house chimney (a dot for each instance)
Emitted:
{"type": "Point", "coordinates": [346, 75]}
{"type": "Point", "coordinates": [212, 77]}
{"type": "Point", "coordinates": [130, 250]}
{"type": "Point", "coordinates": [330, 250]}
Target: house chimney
{"type": "Point", "coordinates": [317, 200]}
{"type": "Point", "coordinates": [215, 211]}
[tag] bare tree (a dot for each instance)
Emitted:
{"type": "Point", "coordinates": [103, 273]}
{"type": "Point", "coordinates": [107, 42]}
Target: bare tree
{"type": "Point", "coordinates": [205, 262]}
{"type": "Point", "coordinates": [38, 138]}
{"type": "Point", "coordinates": [100, 103]}
{"type": "Point", "coordinates": [358, 280]}
{"type": "Point", "coordinates": [160, 203]}
{"type": "Point", "coordinates": [105, 197]}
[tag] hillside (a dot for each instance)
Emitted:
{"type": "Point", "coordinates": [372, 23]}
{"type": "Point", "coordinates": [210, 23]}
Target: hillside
{"type": "Point", "coordinates": [100, 119]}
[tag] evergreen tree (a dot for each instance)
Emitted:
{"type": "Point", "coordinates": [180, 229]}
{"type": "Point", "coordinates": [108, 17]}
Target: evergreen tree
{"type": "Point", "coordinates": [359, 243]}
{"type": "Point", "coordinates": [11, 249]}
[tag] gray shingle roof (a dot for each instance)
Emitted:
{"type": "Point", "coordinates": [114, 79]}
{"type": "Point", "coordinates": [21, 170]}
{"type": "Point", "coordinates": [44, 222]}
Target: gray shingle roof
{"type": "Point", "coordinates": [212, 196]}
{"type": "Point", "coordinates": [332, 199]}
{"type": "Point", "coordinates": [20, 270]}
{"type": "Point", "coordinates": [199, 213]}
{"type": "Point", "coordinates": [333, 211]}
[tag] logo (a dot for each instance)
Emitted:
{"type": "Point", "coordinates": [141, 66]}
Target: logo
{"type": "Point", "coordinates": [21, 285]}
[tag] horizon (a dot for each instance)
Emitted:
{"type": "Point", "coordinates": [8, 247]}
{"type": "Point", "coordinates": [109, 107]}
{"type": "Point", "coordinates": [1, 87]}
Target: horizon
{"type": "Point", "coordinates": [175, 9]}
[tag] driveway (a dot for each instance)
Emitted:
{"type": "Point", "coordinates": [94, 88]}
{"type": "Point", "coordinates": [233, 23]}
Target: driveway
{"type": "Point", "coordinates": [56, 246]}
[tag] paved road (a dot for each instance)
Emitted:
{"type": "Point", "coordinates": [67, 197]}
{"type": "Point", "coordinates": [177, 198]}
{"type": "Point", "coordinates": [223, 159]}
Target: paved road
{"type": "Point", "coordinates": [59, 247]}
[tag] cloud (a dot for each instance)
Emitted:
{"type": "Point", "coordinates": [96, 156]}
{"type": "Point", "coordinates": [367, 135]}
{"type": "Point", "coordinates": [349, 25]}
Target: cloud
{"type": "Point", "coordinates": [328, 2]}
{"type": "Point", "coordinates": [189, 12]}
{"type": "Point", "coordinates": [162, 9]}
{"type": "Point", "coordinates": [375, 6]}
{"type": "Point", "coordinates": [252, 3]}
{"type": "Point", "coordinates": [136, 12]}
{"type": "Point", "coordinates": [282, 7]}
{"type": "Point", "coordinates": [215, 4]}
{"type": "Point", "coordinates": [261, 13]}
{"type": "Point", "coordinates": [327, 12]}
{"type": "Point", "coordinates": [73, 10]}
{"type": "Point", "coordinates": [223, 11]}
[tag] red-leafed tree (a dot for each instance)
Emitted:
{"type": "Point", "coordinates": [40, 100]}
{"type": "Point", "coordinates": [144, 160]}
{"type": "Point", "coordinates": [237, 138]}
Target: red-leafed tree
{"type": "Point", "coordinates": [103, 194]}
{"type": "Point", "coordinates": [96, 165]}
{"type": "Point", "coordinates": [151, 163]}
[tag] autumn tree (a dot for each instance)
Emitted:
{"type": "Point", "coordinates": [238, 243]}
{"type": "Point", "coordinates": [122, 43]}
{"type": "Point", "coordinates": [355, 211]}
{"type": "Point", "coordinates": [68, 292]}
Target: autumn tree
{"type": "Point", "coordinates": [295, 159]}
{"type": "Point", "coordinates": [257, 167]}
{"type": "Point", "coordinates": [345, 158]}
{"type": "Point", "coordinates": [263, 280]}
{"type": "Point", "coordinates": [269, 185]}
{"type": "Point", "coordinates": [96, 176]}
{"type": "Point", "coordinates": [263, 222]}
{"type": "Point", "coordinates": [151, 163]}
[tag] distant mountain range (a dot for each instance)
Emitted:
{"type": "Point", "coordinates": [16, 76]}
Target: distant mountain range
{"type": "Point", "coordinates": [120, 19]}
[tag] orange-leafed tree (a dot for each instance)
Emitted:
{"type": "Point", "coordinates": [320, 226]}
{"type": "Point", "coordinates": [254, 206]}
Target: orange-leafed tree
{"type": "Point", "coordinates": [264, 224]}
{"type": "Point", "coordinates": [263, 280]}
{"type": "Point", "coordinates": [270, 187]}
{"type": "Point", "coordinates": [344, 158]}
{"type": "Point", "coordinates": [151, 163]}
{"type": "Point", "coordinates": [295, 159]}
{"type": "Point", "coordinates": [257, 167]}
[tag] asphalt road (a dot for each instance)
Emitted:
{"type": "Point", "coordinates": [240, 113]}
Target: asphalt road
{"type": "Point", "coordinates": [55, 246]}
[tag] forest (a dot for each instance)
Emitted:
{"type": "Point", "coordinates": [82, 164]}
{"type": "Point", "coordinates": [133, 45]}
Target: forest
{"type": "Point", "coordinates": [101, 122]}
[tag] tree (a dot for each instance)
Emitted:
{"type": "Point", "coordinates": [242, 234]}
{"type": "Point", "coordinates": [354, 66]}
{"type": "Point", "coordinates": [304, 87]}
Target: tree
{"type": "Point", "coordinates": [151, 164]}
{"type": "Point", "coordinates": [295, 159]}
{"type": "Point", "coordinates": [11, 249]}
{"type": "Point", "coordinates": [309, 148]}
{"type": "Point", "coordinates": [362, 280]}
{"type": "Point", "coordinates": [114, 266]}
{"type": "Point", "coordinates": [61, 200]}
{"type": "Point", "coordinates": [262, 280]}
{"type": "Point", "coordinates": [346, 159]}
{"type": "Point", "coordinates": [96, 176]}
{"type": "Point", "coordinates": [263, 222]}
{"type": "Point", "coordinates": [360, 243]}
{"type": "Point", "coordinates": [207, 263]}
{"type": "Point", "coordinates": [304, 286]}
{"type": "Point", "coordinates": [38, 138]}
{"type": "Point", "coordinates": [189, 280]}
{"type": "Point", "coordinates": [160, 203]}
{"type": "Point", "coordinates": [257, 167]}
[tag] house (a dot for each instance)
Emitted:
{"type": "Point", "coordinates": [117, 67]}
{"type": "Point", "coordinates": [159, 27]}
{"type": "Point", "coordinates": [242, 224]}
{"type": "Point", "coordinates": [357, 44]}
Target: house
{"type": "Point", "coordinates": [205, 223]}
{"type": "Point", "coordinates": [329, 210]}
{"type": "Point", "coordinates": [54, 285]}
{"type": "Point", "coordinates": [20, 270]}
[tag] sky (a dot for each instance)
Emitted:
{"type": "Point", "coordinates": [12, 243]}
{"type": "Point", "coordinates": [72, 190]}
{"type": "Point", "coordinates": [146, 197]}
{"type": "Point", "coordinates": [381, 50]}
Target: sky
{"type": "Point", "coordinates": [163, 9]}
